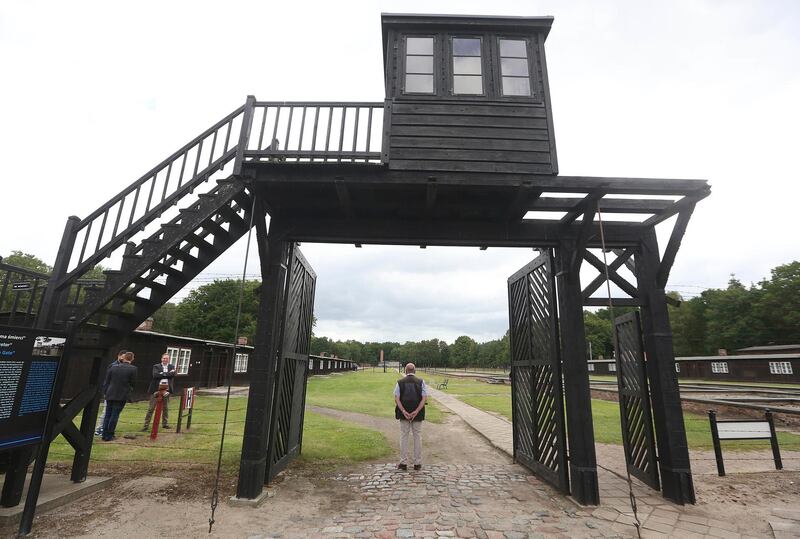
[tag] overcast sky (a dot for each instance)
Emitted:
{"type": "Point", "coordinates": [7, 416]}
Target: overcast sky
{"type": "Point", "coordinates": [93, 94]}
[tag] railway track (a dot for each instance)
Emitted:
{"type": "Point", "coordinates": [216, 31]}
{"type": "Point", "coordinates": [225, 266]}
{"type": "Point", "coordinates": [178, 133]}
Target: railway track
{"type": "Point", "coordinates": [785, 400]}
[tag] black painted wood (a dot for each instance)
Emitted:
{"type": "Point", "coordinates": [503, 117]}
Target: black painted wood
{"type": "Point", "coordinates": [673, 450]}
{"type": "Point", "coordinates": [536, 382]}
{"type": "Point", "coordinates": [274, 255]}
{"type": "Point", "coordinates": [634, 400]}
{"type": "Point", "coordinates": [578, 400]}
{"type": "Point", "coordinates": [285, 437]}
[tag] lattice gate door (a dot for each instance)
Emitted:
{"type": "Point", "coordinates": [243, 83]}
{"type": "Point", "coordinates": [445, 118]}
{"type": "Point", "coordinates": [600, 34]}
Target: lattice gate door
{"type": "Point", "coordinates": [536, 388]}
{"type": "Point", "coordinates": [286, 424]}
{"type": "Point", "coordinates": [634, 401]}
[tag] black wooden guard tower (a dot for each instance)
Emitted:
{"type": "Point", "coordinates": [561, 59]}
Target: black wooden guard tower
{"type": "Point", "coordinates": [459, 152]}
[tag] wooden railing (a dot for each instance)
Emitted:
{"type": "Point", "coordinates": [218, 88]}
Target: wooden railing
{"type": "Point", "coordinates": [96, 236]}
{"type": "Point", "coordinates": [316, 132]}
{"type": "Point", "coordinates": [258, 131]}
{"type": "Point", "coordinates": [21, 293]}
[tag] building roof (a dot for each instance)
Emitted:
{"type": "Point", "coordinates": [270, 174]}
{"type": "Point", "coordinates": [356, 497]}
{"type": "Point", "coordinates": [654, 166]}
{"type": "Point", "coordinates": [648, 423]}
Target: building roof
{"type": "Point", "coordinates": [770, 348]}
{"type": "Point", "coordinates": [770, 357]}
{"type": "Point", "coordinates": [193, 339]}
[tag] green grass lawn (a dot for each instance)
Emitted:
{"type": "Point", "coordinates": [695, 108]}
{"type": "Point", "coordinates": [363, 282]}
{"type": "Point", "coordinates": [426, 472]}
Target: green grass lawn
{"type": "Point", "coordinates": [368, 392]}
{"type": "Point", "coordinates": [496, 398]}
{"type": "Point", "coordinates": [325, 440]}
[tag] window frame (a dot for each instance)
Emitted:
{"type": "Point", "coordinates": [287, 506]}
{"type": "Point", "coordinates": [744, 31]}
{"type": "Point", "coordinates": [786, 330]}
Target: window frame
{"type": "Point", "coordinates": [485, 66]}
{"type": "Point", "coordinates": [404, 60]}
{"type": "Point", "coordinates": [719, 367]}
{"type": "Point", "coordinates": [239, 359]}
{"type": "Point", "coordinates": [781, 368]}
{"type": "Point", "coordinates": [532, 79]}
{"type": "Point", "coordinates": [175, 358]}
{"type": "Point", "coordinates": [612, 367]}
{"type": "Point", "coordinates": [180, 368]}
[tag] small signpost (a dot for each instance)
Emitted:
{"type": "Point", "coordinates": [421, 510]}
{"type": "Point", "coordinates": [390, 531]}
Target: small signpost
{"type": "Point", "coordinates": [187, 403]}
{"type": "Point", "coordinates": [743, 429]}
{"type": "Point", "coordinates": [22, 285]}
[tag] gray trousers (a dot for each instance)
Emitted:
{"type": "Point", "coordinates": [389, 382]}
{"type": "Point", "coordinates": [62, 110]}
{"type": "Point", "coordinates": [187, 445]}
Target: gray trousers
{"type": "Point", "coordinates": [152, 407]}
{"type": "Point", "coordinates": [415, 428]}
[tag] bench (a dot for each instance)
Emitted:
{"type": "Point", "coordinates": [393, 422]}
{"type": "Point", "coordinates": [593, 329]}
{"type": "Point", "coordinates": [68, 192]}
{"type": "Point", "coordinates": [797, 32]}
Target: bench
{"type": "Point", "coordinates": [443, 385]}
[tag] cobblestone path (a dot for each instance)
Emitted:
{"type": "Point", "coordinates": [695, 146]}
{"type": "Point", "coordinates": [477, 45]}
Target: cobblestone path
{"type": "Point", "coordinates": [487, 501]}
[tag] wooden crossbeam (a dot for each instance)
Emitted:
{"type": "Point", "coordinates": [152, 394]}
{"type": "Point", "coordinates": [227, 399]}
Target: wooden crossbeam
{"type": "Point", "coordinates": [615, 302]}
{"type": "Point", "coordinates": [344, 199]}
{"type": "Point", "coordinates": [389, 231]}
{"type": "Point", "coordinates": [606, 205]}
{"type": "Point", "coordinates": [519, 204]}
{"type": "Point", "coordinates": [629, 263]}
{"type": "Point", "coordinates": [430, 196]}
{"type": "Point", "coordinates": [582, 206]}
{"type": "Point", "coordinates": [672, 246]}
{"type": "Point", "coordinates": [626, 287]}
{"type": "Point", "coordinates": [679, 206]}
{"type": "Point", "coordinates": [623, 256]}
{"type": "Point", "coordinates": [583, 236]}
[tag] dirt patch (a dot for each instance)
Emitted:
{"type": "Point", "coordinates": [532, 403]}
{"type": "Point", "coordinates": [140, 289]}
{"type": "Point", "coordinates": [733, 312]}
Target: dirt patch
{"type": "Point", "coordinates": [175, 500]}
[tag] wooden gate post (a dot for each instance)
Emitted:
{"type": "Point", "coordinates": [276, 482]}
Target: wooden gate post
{"type": "Point", "coordinates": [580, 430]}
{"type": "Point", "coordinates": [673, 451]}
{"type": "Point", "coordinates": [273, 253]}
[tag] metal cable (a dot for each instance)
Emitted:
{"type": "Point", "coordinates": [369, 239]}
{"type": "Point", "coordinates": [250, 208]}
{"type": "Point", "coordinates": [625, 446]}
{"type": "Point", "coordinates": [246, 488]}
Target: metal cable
{"type": "Point", "coordinates": [631, 495]}
{"type": "Point", "coordinates": [215, 492]}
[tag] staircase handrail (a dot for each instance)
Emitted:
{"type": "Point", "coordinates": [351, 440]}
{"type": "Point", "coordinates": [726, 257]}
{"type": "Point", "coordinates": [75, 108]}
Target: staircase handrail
{"type": "Point", "coordinates": [198, 176]}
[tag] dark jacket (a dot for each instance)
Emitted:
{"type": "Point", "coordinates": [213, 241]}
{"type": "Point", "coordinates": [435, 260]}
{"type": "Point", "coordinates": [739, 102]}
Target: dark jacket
{"type": "Point", "coordinates": [410, 396]}
{"type": "Point", "coordinates": [119, 381]}
{"type": "Point", "coordinates": [158, 374]}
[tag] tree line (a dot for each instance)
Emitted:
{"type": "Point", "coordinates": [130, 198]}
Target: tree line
{"type": "Point", "coordinates": [767, 312]}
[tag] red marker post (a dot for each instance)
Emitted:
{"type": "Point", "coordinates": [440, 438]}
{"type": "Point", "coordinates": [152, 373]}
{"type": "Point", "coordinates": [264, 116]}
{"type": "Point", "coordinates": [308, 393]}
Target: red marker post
{"type": "Point", "coordinates": [162, 390]}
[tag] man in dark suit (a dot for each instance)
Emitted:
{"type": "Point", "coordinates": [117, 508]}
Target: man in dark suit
{"type": "Point", "coordinates": [163, 373]}
{"type": "Point", "coordinates": [117, 387]}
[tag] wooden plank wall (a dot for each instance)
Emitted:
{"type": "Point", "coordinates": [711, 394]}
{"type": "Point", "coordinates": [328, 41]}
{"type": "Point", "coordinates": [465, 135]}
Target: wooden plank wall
{"type": "Point", "coordinates": [470, 137]}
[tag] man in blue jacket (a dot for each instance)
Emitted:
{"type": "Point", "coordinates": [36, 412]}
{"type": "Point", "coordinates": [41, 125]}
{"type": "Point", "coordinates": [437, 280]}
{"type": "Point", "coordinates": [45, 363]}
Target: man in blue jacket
{"type": "Point", "coordinates": [117, 387]}
{"type": "Point", "coordinates": [410, 395]}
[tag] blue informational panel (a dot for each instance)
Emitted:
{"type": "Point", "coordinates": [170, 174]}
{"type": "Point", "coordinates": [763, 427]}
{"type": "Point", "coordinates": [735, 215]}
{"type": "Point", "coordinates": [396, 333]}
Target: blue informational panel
{"type": "Point", "coordinates": [29, 360]}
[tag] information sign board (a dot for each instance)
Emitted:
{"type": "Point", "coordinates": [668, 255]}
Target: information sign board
{"type": "Point", "coordinates": [29, 360]}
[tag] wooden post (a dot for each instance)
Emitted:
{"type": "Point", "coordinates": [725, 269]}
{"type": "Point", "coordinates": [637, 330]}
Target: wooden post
{"type": "Point", "coordinates": [773, 440]}
{"type": "Point", "coordinates": [580, 430]}
{"type": "Point", "coordinates": [50, 300]}
{"type": "Point", "coordinates": [673, 451]}
{"type": "Point", "coordinates": [80, 463]}
{"type": "Point", "coordinates": [244, 135]}
{"type": "Point", "coordinates": [712, 419]}
{"type": "Point", "coordinates": [180, 413]}
{"type": "Point", "coordinates": [273, 253]}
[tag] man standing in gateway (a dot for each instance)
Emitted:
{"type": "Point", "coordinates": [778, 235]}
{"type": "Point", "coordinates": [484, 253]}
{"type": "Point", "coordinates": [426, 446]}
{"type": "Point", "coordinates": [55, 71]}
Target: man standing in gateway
{"type": "Point", "coordinates": [410, 395]}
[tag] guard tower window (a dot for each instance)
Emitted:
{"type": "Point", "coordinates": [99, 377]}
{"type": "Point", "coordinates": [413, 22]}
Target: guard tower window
{"type": "Point", "coordinates": [467, 69]}
{"type": "Point", "coordinates": [419, 65]}
{"type": "Point", "coordinates": [514, 67]}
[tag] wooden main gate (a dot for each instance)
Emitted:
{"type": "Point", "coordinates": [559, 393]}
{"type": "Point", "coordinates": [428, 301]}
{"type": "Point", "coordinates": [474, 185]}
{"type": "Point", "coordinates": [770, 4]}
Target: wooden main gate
{"type": "Point", "coordinates": [634, 401]}
{"type": "Point", "coordinates": [286, 423]}
{"type": "Point", "coordinates": [536, 392]}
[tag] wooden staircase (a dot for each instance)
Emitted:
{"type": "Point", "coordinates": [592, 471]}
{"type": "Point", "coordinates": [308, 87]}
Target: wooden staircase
{"type": "Point", "coordinates": [153, 271]}
{"type": "Point", "coordinates": [156, 250]}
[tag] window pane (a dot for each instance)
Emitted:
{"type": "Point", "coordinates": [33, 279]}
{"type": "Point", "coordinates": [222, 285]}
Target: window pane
{"type": "Point", "coordinates": [419, 84]}
{"type": "Point", "coordinates": [419, 45]}
{"type": "Point", "coordinates": [466, 47]}
{"type": "Point", "coordinates": [514, 67]}
{"type": "Point", "coordinates": [419, 64]}
{"type": "Point", "coordinates": [516, 86]}
{"type": "Point", "coordinates": [468, 84]}
{"type": "Point", "coordinates": [514, 48]}
{"type": "Point", "coordinates": [467, 66]}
